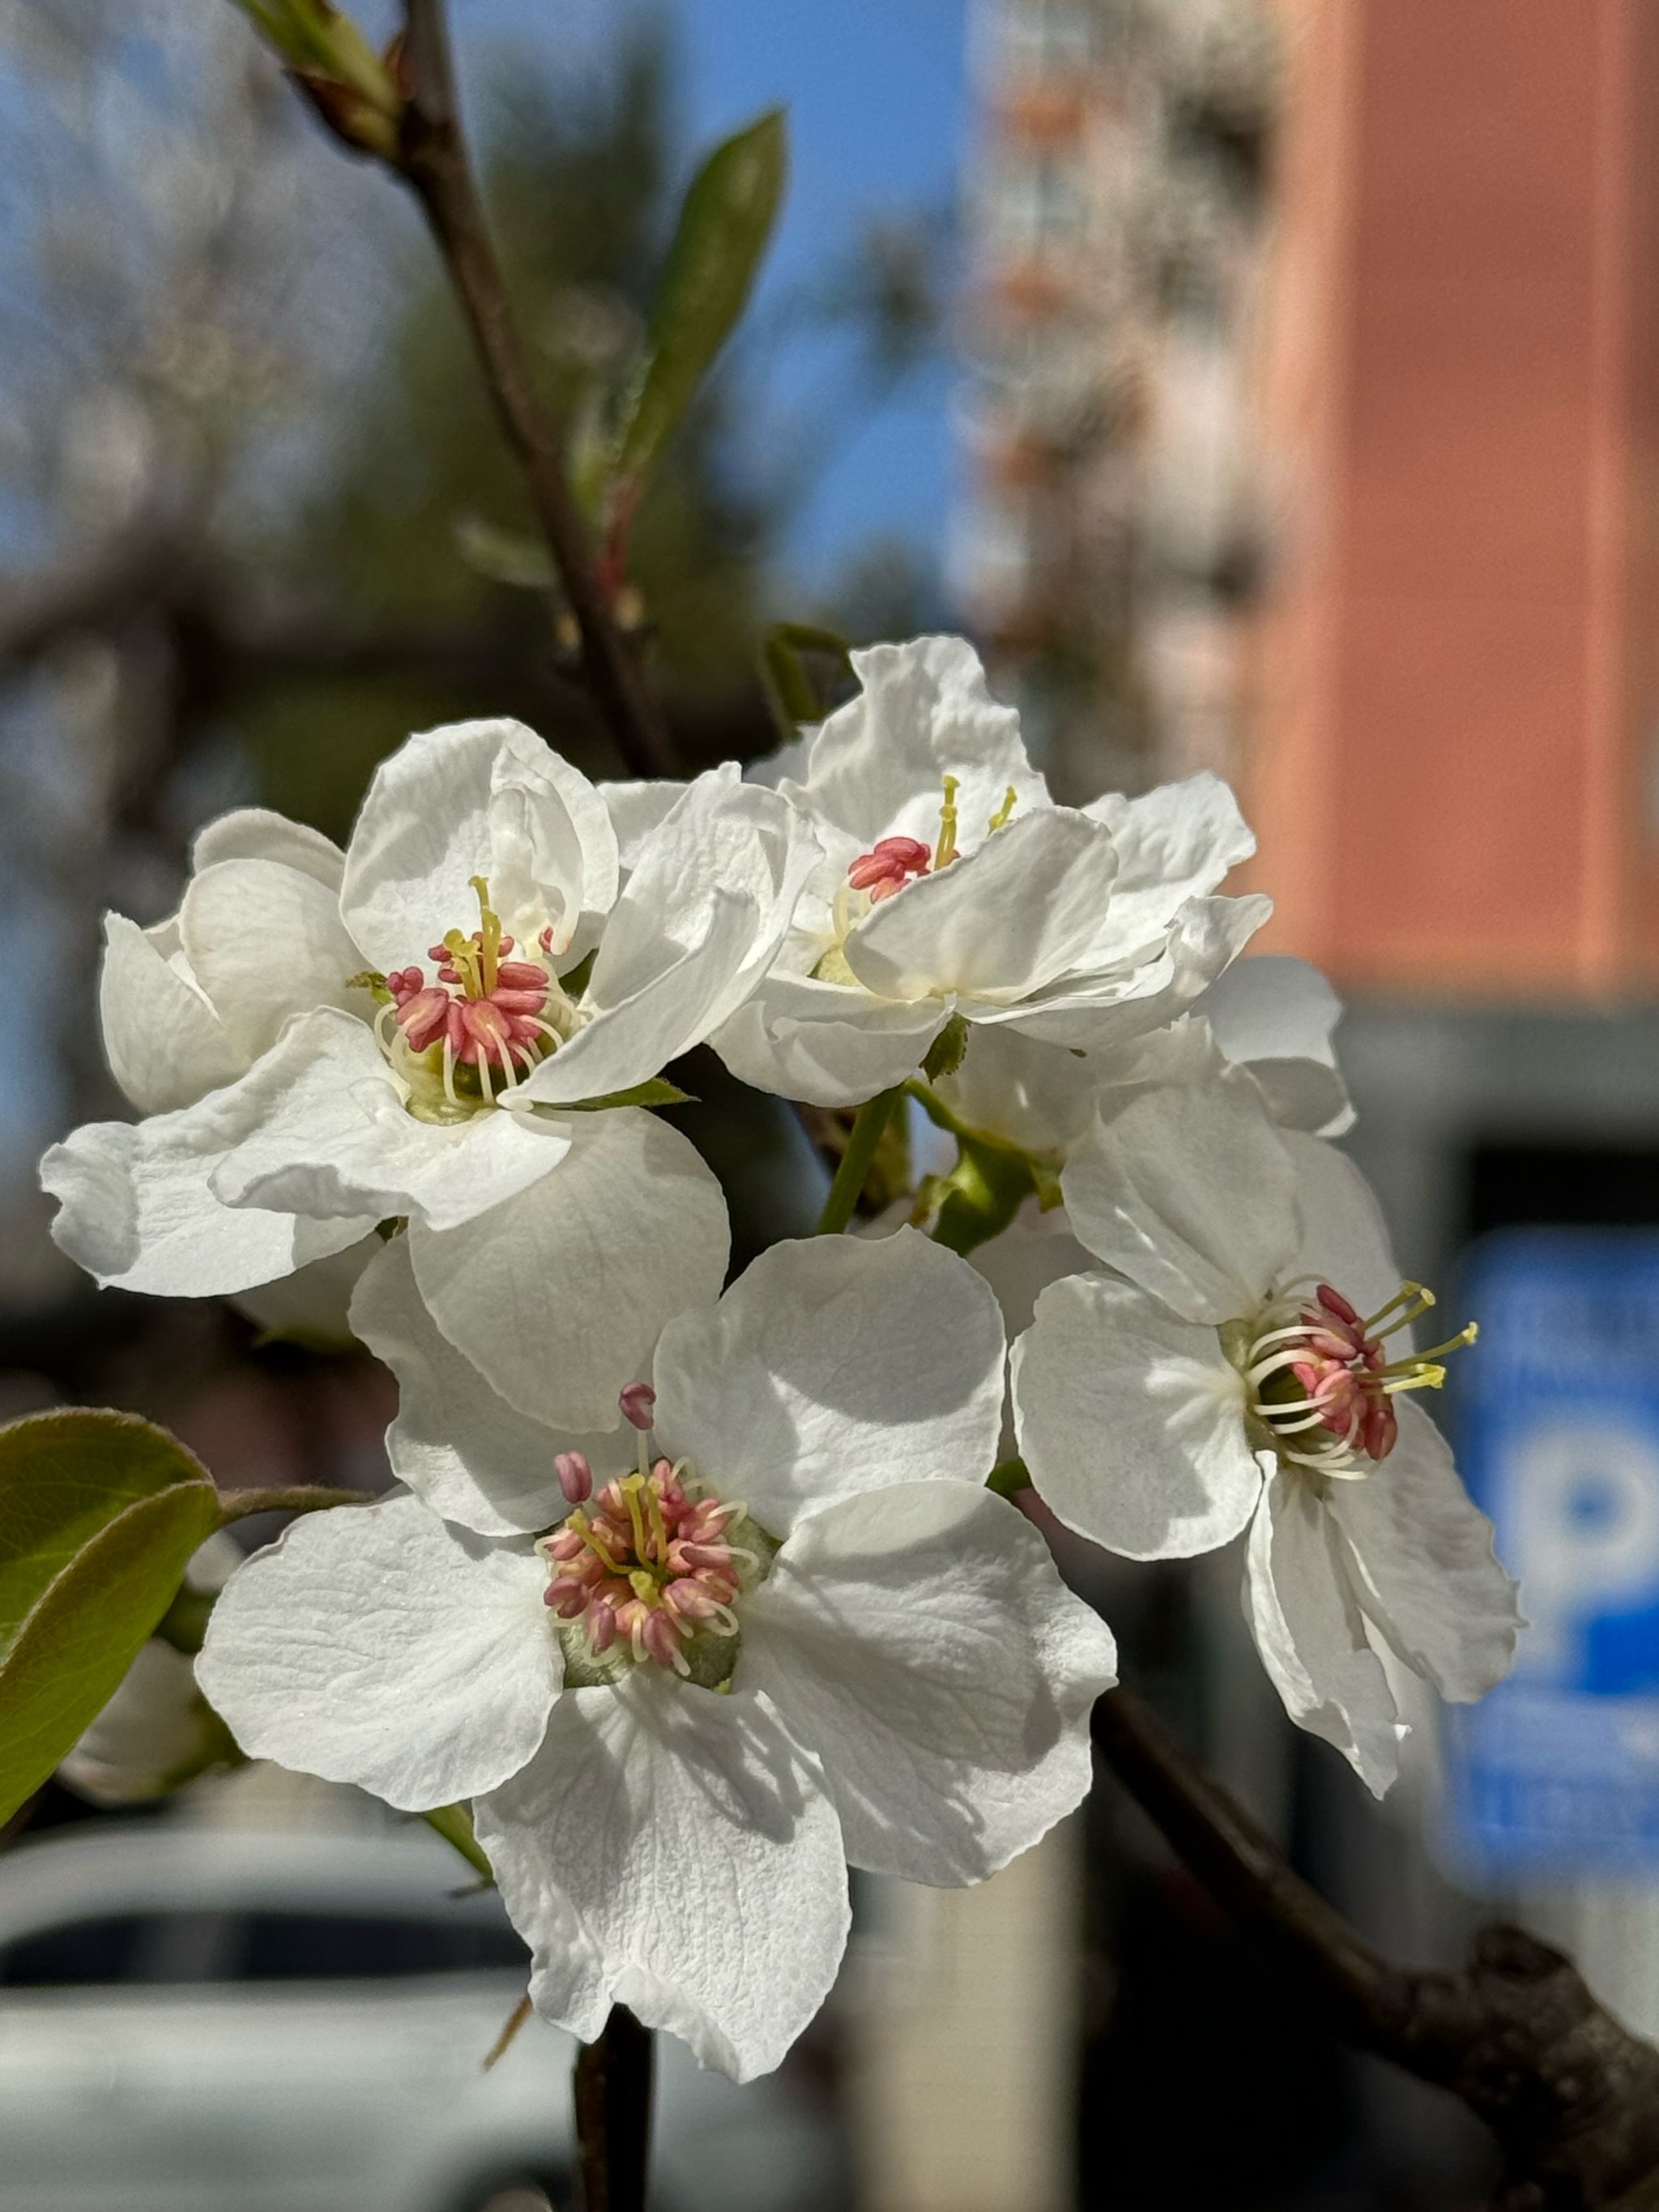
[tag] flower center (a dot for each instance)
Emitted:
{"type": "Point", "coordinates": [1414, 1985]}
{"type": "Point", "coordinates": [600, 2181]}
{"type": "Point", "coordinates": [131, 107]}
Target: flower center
{"type": "Point", "coordinates": [467, 1037]}
{"type": "Point", "coordinates": [648, 1572]}
{"type": "Point", "coordinates": [1320, 1379]}
{"type": "Point", "coordinates": [889, 865]}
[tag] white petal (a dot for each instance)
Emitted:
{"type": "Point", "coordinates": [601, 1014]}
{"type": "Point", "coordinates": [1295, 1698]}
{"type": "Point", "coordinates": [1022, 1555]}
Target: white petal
{"type": "Point", "coordinates": [553, 858]}
{"type": "Point", "coordinates": [921, 1644]}
{"type": "Point", "coordinates": [456, 1442]}
{"type": "Point", "coordinates": [1132, 1422]}
{"type": "Point", "coordinates": [154, 1730]}
{"type": "Point", "coordinates": [1040, 1096]}
{"type": "Point", "coordinates": [1423, 1564]}
{"type": "Point", "coordinates": [997, 923]}
{"type": "Point", "coordinates": [167, 1046]}
{"type": "Point", "coordinates": [423, 833]}
{"type": "Point", "coordinates": [558, 1298]}
{"type": "Point", "coordinates": [1311, 1633]}
{"type": "Point", "coordinates": [267, 942]}
{"type": "Point", "coordinates": [635, 809]}
{"type": "Point", "coordinates": [312, 1305]}
{"type": "Point", "coordinates": [787, 765]}
{"type": "Point", "coordinates": [692, 1846]}
{"type": "Point", "coordinates": [1344, 1240]}
{"type": "Point", "coordinates": [877, 766]}
{"type": "Point", "coordinates": [1107, 1002]}
{"type": "Point", "coordinates": [826, 1044]}
{"type": "Point", "coordinates": [377, 1645]}
{"type": "Point", "coordinates": [1189, 1191]}
{"type": "Point", "coordinates": [671, 1010]}
{"type": "Point", "coordinates": [1173, 843]}
{"type": "Point", "coordinates": [834, 1366]}
{"type": "Point", "coordinates": [254, 833]}
{"type": "Point", "coordinates": [138, 1209]}
{"type": "Point", "coordinates": [1276, 1015]}
{"type": "Point", "coordinates": [337, 1139]}
{"type": "Point", "coordinates": [1035, 1249]}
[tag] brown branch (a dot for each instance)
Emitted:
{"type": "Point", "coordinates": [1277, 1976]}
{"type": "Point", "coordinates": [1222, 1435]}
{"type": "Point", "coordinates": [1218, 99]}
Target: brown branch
{"type": "Point", "coordinates": [613, 2114]}
{"type": "Point", "coordinates": [1571, 2096]}
{"type": "Point", "coordinates": [432, 160]}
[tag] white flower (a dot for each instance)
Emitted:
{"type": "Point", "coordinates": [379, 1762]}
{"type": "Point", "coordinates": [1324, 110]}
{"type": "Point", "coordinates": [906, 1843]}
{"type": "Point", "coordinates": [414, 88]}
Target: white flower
{"type": "Point", "coordinates": [800, 1631]}
{"type": "Point", "coordinates": [1246, 1362]}
{"type": "Point", "coordinates": [951, 883]}
{"type": "Point", "coordinates": [393, 1032]}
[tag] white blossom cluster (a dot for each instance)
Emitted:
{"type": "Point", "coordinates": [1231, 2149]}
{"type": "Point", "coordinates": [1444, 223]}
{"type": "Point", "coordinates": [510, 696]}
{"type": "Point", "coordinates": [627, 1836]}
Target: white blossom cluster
{"type": "Point", "coordinates": [697, 1596]}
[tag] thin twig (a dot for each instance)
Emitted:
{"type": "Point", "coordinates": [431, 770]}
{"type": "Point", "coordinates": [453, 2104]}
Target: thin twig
{"type": "Point", "coordinates": [869, 1127]}
{"type": "Point", "coordinates": [433, 159]}
{"type": "Point", "coordinates": [613, 2114]}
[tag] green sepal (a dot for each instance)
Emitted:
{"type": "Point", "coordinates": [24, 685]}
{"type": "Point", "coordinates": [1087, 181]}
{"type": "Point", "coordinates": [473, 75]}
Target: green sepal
{"type": "Point", "coordinates": [946, 1053]}
{"type": "Point", "coordinates": [659, 1091]}
{"type": "Point", "coordinates": [981, 1196]}
{"type": "Point", "coordinates": [100, 1514]}
{"type": "Point", "coordinates": [1008, 1476]}
{"type": "Point", "coordinates": [373, 983]}
{"type": "Point", "coordinates": [454, 1824]}
{"type": "Point", "coordinates": [505, 556]}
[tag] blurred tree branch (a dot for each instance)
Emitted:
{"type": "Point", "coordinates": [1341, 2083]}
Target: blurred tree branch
{"type": "Point", "coordinates": [433, 159]}
{"type": "Point", "coordinates": [1571, 2096]}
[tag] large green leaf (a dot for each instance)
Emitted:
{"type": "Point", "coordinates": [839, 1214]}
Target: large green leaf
{"type": "Point", "coordinates": [98, 1514]}
{"type": "Point", "coordinates": [725, 222]}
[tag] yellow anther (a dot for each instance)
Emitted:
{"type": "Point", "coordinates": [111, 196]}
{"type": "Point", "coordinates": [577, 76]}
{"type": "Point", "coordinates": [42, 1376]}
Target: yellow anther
{"type": "Point", "coordinates": [945, 851]}
{"type": "Point", "coordinates": [1009, 798]}
{"type": "Point", "coordinates": [489, 940]}
{"type": "Point", "coordinates": [644, 1585]}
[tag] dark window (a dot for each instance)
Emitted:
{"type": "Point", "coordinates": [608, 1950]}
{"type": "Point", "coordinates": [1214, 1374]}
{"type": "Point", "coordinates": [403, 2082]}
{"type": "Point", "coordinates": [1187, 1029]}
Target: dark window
{"type": "Point", "coordinates": [118, 1947]}
{"type": "Point", "coordinates": [1515, 1186]}
{"type": "Point", "coordinates": [306, 1947]}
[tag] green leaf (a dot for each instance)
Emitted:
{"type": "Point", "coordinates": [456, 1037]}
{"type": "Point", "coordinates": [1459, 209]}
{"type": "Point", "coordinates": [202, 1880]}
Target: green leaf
{"type": "Point", "coordinates": [725, 222]}
{"type": "Point", "coordinates": [659, 1091]}
{"type": "Point", "coordinates": [506, 556]}
{"type": "Point", "coordinates": [100, 1513]}
{"type": "Point", "coordinates": [946, 1053]}
{"type": "Point", "coordinates": [787, 676]}
{"type": "Point", "coordinates": [1008, 1477]}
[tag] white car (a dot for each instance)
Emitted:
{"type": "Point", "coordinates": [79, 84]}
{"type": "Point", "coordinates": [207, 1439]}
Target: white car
{"type": "Point", "coordinates": [222, 2020]}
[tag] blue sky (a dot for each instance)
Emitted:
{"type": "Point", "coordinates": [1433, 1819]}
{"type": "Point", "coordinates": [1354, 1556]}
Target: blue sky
{"type": "Point", "coordinates": [877, 105]}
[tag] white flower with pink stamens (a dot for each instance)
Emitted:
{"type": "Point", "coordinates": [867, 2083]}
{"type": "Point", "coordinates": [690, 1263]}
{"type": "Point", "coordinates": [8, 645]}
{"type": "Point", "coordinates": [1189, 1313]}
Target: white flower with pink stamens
{"type": "Point", "coordinates": [400, 1031]}
{"type": "Point", "coordinates": [682, 1694]}
{"type": "Point", "coordinates": [951, 883]}
{"type": "Point", "coordinates": [1247, 1362]}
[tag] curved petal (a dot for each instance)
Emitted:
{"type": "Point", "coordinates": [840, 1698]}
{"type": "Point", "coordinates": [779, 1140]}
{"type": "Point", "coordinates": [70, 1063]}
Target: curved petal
{"type": "Point", "coordinates": [553, 862]}
{"type": "Point", "coordinates": [1040, 1096]}
{"type": "Point", "coordinates": [311, 1305]}
{"type": "Point", "coordinates": [337, 1139]}
{"type": "Point", "coordinates": [1423, 1563]}
{"type": "Point", "coordinates": [166, 1045]}
{"type": "Point", "coordinates": [1276, 1014]}
{"type": "Point", "coordinates": [636, 809]}
{"type": "Point", "coordinates": [921, 1644]}
{"type": "Point", "coordinates": [267, 942]}
{"type": "Point", "coordinates": [558, 1298]}
{"type": "Point", "coordinates": [456, 1442]}
{"type": "Point", "coordinates": [1309, 1631]}
{"type": "Point", "coordinates": [829, 1044]}
{"type": "Point", "coordinates": [1173, 843]}
{"type": "Point", "coordinates": [1036, 1248]}
{"type": "Point", "coordinates": [254, 833]}
{"type": "Point", "coordinates": [1110, 1001]}
{"type": "Point", "coordinates": [379, 1646]}
{"type": "Point", "coordinates": [629, 1043]}
{"type": "Point", "coordinates": [689, 1845]}
{"type": "Point", "coordinates": [877, 766]}
{"type": "Point", "coordinates": [1189, 1190]}
{"type": "Point", "coordinates": [833, 1366]}
{"type": "Point", "coordinates": [1345, 1240]}
{"type": "Point", "coordinates": [996, 924]}
{"type": "Point", "coordinates": [1132, 1422]}
{"type": "Point", "coordinates": [422, 835]}
{"type": "Point", "coordinates": [137, 1209]}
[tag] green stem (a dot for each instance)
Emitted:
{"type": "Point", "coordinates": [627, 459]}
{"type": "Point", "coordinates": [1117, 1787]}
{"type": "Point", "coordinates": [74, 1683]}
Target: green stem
{"type": "Point", "coordinates": [869, 1127]}
{"type": "Point", "coordinates": [293, 1497]}
{"type": "Point", "coordinates": [454, 1824]}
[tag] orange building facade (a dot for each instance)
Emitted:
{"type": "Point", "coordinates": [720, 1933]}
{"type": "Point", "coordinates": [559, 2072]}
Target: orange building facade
{"type": "Point", "coordinates": [1452, 719]}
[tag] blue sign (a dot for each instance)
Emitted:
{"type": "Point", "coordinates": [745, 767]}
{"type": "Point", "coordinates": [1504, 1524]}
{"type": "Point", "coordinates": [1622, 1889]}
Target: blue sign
{"type": "Point", "coordinates": [1559, 1440]}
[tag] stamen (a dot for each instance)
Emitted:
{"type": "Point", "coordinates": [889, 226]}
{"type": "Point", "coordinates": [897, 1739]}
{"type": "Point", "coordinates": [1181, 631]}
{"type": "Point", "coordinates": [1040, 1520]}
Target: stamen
{"type": "Point", "coordinates": [946, 850]}
{"type": "Point", "coordinates": [998, 819]}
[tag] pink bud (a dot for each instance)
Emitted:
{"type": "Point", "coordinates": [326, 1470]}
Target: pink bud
{"type": "Point", "coordinates": [636, 1403]}
{"type": "Point", "coordinates": [575, 1475]}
